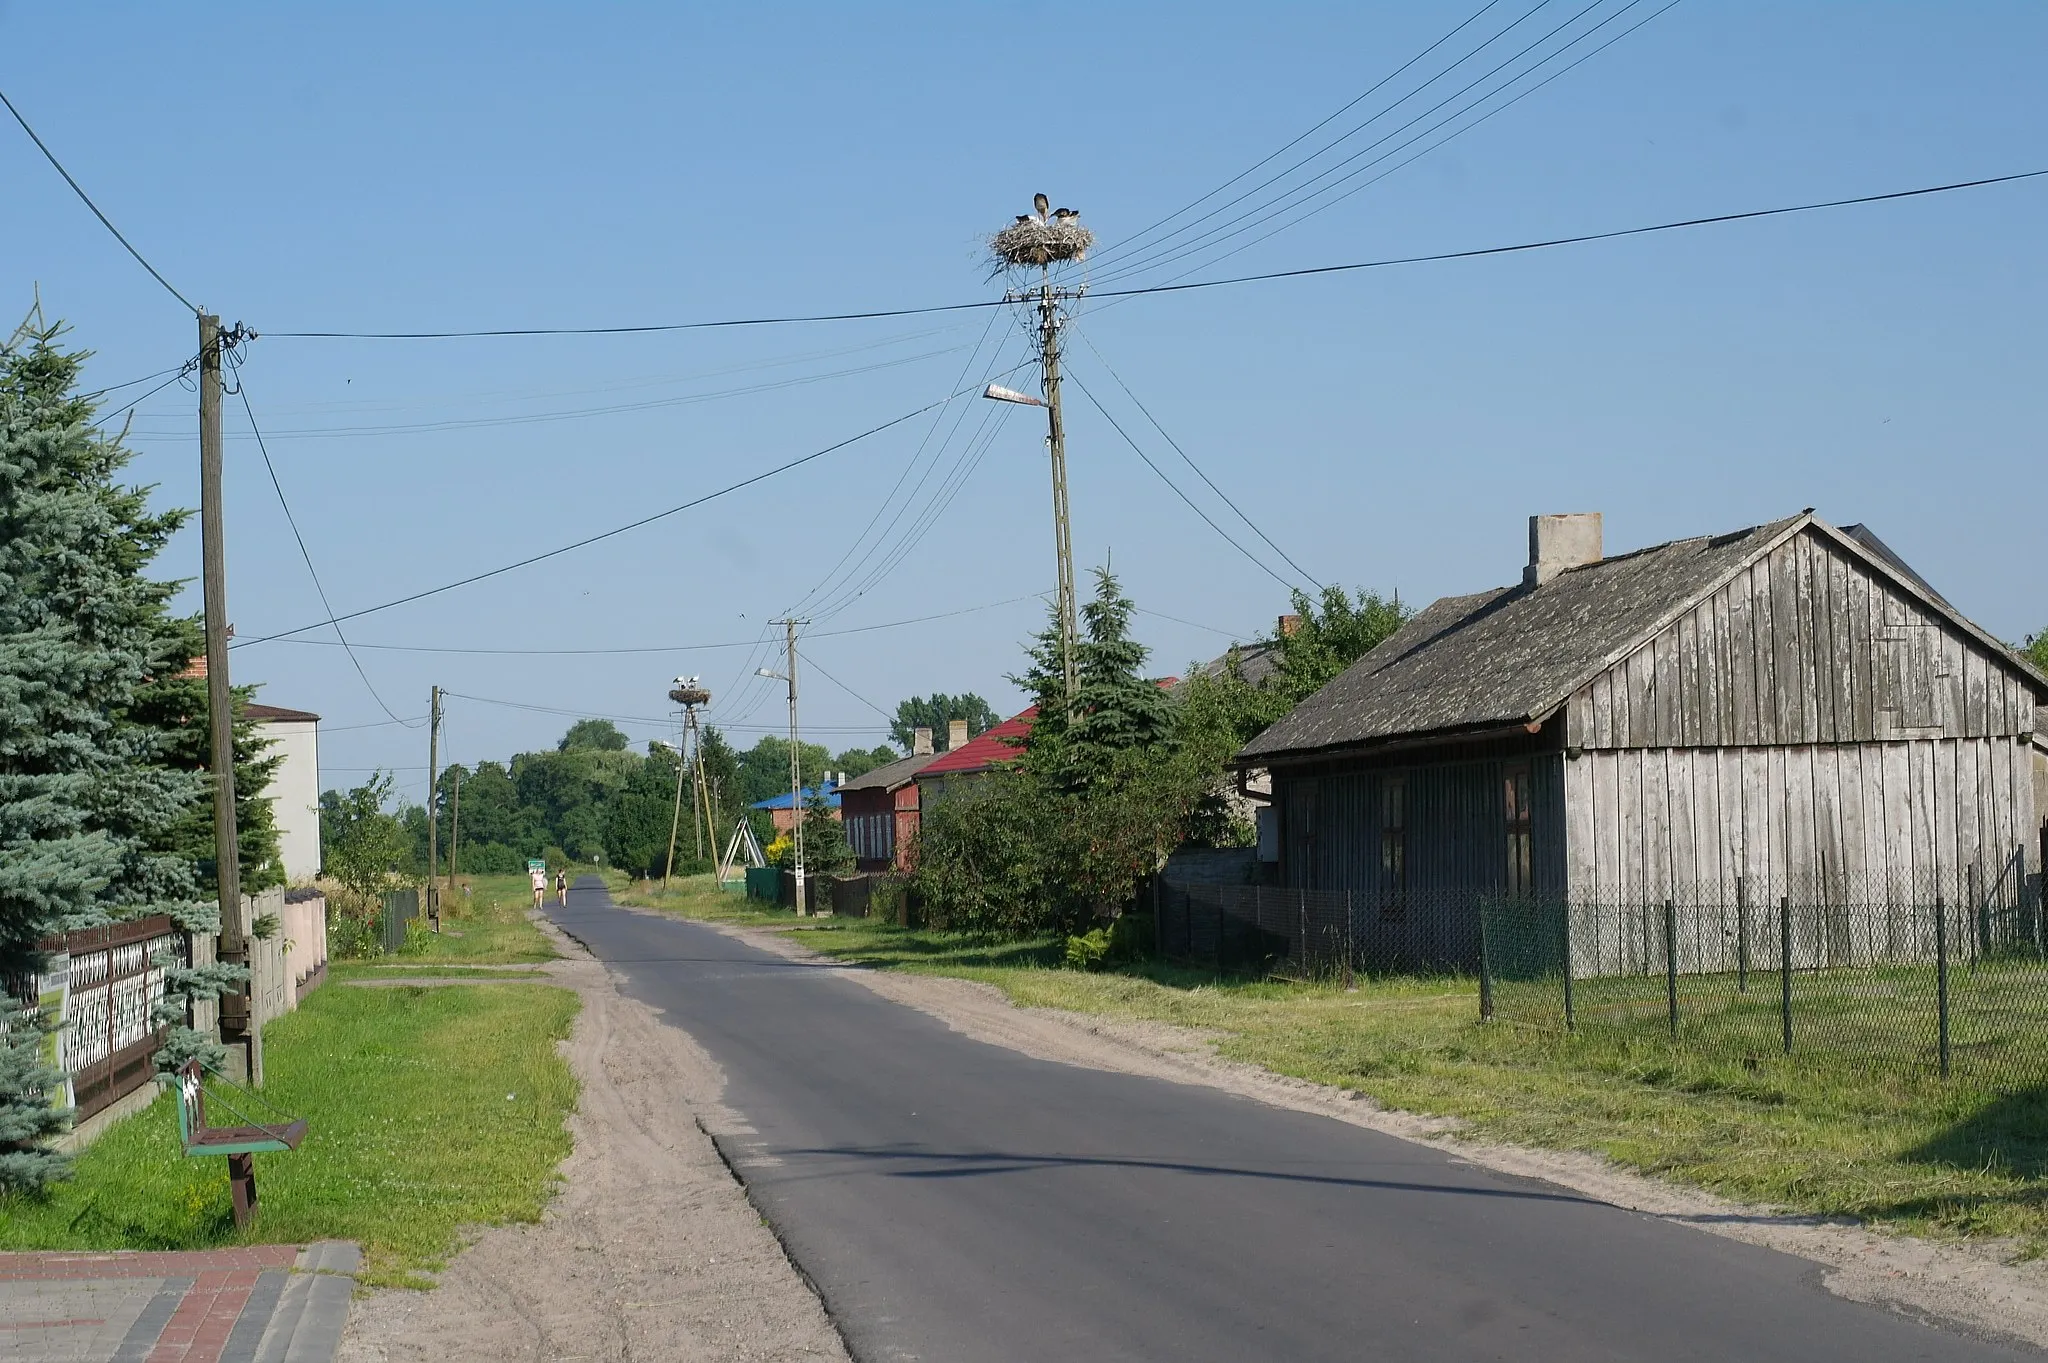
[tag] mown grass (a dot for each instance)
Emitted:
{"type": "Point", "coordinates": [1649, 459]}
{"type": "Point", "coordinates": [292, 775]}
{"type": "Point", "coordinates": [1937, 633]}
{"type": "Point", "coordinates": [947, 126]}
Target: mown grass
{"type": "Point", "coordinates": [487, 926]}
{"type": "Point", "coordinates": [1864, 1140]}
{"type": "Point", "coordinates": [430, 1109]}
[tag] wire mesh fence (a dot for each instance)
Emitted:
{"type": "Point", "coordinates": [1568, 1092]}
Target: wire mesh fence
{"type": "Point", "coordinates": [1931, 975]}
{"type": "Point", "coordinates": [1936, 975]}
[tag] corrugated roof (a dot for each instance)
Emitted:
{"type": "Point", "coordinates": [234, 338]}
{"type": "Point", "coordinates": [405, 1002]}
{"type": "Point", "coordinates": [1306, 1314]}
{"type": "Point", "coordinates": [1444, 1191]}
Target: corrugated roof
{"type": "Point", "coordinates": [988, 749]}
{"type": "Point", "coordinates": [1513, 654]}
{"type": "Point", "coordinates": [891, 775]}
{"type": "Point", "coordinates": [782, 801]}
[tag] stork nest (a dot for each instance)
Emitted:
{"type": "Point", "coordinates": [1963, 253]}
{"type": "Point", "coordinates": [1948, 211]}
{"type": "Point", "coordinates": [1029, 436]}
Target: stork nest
{"type": "Point", "coordinates": [690, 696]}
{"type": "Point", "coordinates": [1039, 244]}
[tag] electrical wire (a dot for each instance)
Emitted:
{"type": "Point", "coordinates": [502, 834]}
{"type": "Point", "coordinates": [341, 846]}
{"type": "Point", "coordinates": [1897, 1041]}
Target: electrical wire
{"type": "Point", "coordinates": [1211, 483]}
{"type": "Point", "coordinates": [1278, 205]}
{"type": "Point", "coordinates": [602, 535]}
{"type": "Point", "coordinates": [180, 370]}
{"type": "Point", "coordinates": [819, 668]}
{"type": "Point", "coordinates": [1302, 273]}
{"type": "Point", "coordinates": [1191, 624]}
{"type": "Point", "coordinates": [1362, 185]}
{"type": "Point", "coordinates": [242, 391]}
{"type": "Point", "coordinates": [1207, 520]}
{"type": "Point", "coordinates": [379, 724]}
{"type": "Point", "coordinates": [664, 648]}
{"type": "Point", "coordinates": [183, 372]}
{"type": "Point", "coordinates": [86, 199]}
{"type": "Point", "coordinates": [583, 413]}
{"type": "Point", "coordinates": [1130, 243]}
{"type": "Point", "coordinates": [663, 722]}
{"type": "Point", "coordinates": [631, 330]}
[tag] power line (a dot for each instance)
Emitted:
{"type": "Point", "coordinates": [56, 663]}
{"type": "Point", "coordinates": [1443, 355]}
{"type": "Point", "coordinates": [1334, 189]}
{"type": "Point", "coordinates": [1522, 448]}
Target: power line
{"type": "Point", "coordinates": [182, 372]}
{"type": "Point", "coordinates": [1305, 573]}
{"type": "Point", "coordinates": [378, 724]}
{"type": "Point", "coordinates": [646, 719]}
{"type": "Point", "coordinates": [606, 534]}
{"type": "Point", "coordinates": [1130, 243]}
{"type": "Point", "coordinates": [1269, 210]}
{"type": "Point", "coordinates": [662, 648]}
{"type": "Point", "coordinates": [86, 199]}
{"type": "Point", "coordinates": [1478, 252]}
{"type": "Point", "coordinates": [847, 689]}
{"type": "Point", "coordinates": [1191, 624]}
{"type": "Point", "coordinates": [1455, 133]}
{"type": "Point", "coordinates": [1206, 519]}
{"type": "Point", "coordinates": [242, 391]}
{"type": "Point", "coordinates": [1302, 273]}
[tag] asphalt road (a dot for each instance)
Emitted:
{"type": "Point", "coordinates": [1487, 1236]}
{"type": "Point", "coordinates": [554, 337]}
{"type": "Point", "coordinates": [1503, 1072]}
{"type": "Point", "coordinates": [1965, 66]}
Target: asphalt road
{"type": "Point", "coordinates": [956, 1202]}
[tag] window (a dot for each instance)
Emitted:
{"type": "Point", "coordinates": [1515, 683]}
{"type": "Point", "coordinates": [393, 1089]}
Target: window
{"type": "Point", "coordinates": [1521, 878]}
{"type": "Point", "coordinates": [1394, 848]}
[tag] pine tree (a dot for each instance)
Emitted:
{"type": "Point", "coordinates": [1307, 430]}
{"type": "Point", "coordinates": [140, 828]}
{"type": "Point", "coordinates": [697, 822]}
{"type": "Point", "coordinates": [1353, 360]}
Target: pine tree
{"type": "Point", "coordinates": [88, 794]}
{"type": "Point", "coordinates": [1117, 711]}
{"type": "Point", "coordinates": [826, 850]}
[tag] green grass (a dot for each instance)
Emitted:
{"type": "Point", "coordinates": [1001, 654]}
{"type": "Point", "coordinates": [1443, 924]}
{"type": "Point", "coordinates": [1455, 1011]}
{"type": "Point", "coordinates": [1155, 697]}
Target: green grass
{"type": "Point", "coordinates": [1886, 1143]}
{"type": "Point", "coordinates": [489, 926]}
{"type": "Point", "coordinates": [430, 1110]}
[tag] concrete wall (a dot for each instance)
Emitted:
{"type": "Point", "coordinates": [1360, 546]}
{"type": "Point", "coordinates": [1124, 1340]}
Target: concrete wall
{"type": "Point", "coordinates": [294, 793]}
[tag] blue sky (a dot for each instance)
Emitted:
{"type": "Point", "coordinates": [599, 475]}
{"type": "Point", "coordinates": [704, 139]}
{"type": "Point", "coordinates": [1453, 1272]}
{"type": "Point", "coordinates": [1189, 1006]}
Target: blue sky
{"type": "Point", "coordinates": [428, 167]}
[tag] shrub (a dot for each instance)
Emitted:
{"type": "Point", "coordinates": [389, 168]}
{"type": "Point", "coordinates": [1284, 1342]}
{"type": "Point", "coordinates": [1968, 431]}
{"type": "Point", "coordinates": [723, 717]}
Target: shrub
{"type": "Point", "coordinates": [1088, 950]}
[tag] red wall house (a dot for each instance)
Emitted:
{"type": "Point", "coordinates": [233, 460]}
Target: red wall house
{"type": "Point", "coordinates": [879, 810]}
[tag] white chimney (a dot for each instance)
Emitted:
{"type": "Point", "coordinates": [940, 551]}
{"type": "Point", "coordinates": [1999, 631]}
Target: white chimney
{"type": "Point", "coordinates": [956, 734]}
{"type": "Point", "coordinates": [920, 742]}
{"type": "Point", "coordinates": [1560, 542]}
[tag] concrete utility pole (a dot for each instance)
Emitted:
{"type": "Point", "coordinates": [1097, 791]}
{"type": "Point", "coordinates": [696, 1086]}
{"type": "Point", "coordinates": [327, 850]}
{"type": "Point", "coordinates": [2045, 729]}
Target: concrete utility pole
{"type": "Point", "coordinates": [1049, 300]}
{"type": "Point", "coordinates": [433, 815]}
{"type": "Point", "coordinates": [796, 768]}
{"type": "Point", "coordinates": [236, 1032]}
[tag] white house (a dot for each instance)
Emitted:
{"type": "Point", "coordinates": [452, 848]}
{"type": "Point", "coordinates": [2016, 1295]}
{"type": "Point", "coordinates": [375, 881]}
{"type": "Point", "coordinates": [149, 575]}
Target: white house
{"type": "Point", "coordinates": [294, 790]}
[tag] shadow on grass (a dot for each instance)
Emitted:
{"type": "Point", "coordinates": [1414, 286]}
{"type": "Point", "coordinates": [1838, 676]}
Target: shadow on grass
{"type": "Point", "coordinates": [2007, 1134]}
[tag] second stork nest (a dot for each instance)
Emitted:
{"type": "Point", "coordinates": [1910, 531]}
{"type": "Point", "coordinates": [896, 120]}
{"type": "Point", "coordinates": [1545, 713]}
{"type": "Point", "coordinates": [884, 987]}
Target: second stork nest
{"type": "Point", "coordinates": [1039, 244]}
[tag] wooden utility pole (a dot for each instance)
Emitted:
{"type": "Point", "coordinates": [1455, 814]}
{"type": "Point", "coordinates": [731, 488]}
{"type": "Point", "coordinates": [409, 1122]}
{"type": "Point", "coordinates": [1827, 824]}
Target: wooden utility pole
{"type": "Point", "coordinates": [1049, 300]}
{"type": "Point", "coordinates": [796, 767]}
{"type": "Point", "coordinates": [236, 1031]}
{"type": "Point", "coordinates": [433, 815]}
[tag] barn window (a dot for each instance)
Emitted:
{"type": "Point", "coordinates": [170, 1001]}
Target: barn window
{"type": "Point", "coordinates": [1394, 848]}
{"type": "Point", "coordinates": [1521, 878]}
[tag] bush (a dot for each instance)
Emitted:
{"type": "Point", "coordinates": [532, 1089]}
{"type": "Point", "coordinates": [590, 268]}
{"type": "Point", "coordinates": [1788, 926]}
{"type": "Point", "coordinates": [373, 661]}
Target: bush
{"type": "Point", "coordinates": [352, 925]}
{"type": "Point", "coordinates": [1089, 950]}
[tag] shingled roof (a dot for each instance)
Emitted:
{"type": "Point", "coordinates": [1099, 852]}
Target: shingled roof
{"type": "Point", "coordinates": [1510, 656]}
{"type": "Point", "coordinates": [891, 775]}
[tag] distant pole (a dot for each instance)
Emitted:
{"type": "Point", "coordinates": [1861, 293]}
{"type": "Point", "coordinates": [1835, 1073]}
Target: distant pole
{"type": "Point", "coordinates": [235, 1030]}
{"type": "Point", "coordinates": [1056, 446]}
{"type": "Point", "coordinates": [454, 828]}
{"type": "Point", "coordinates": [674, 824]}
{"type": "Point", "coordinates": [796, 776]}
{"type": "Point", "coordinates": [433, 814]}
{"type": "Point", "coordinates": [695, 744]}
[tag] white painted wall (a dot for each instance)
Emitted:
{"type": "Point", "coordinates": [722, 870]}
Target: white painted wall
{"type": "Point", "coordinates": [294, 793]}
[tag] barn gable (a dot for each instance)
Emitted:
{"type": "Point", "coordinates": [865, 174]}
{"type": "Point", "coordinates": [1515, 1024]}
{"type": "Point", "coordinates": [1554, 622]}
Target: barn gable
{"type": "Point", "coordinates": [1814, 639]}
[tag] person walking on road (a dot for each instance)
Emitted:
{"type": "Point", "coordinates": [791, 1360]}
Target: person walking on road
{"type": "Point", "coordinates": [562, 888]}
{"type": "Point", "coordinates": [538, 876]}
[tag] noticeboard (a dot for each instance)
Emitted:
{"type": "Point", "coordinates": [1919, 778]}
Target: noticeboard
{"type": "Point", "coordinates": [536, 864]}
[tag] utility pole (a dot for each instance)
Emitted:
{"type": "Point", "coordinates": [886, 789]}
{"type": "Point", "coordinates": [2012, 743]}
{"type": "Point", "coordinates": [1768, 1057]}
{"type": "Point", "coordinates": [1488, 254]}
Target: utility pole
{"type": "Point", "coordinates": [1049, 300]}
{"type": "Point", "coordinates": [236, 1031]}
{"type": "Point", "coordinates": [1039, 240]}
{"type": "Point", "coordinates": [688, 694]}
{"type": "Point", "coordinates": [433, 815]}
{"type": "Point", "coordinates": [796, 767]}
{"type": "Point", "coordinates": [454, 829]}
{"type": "Point", "coordinates": [675, 822]}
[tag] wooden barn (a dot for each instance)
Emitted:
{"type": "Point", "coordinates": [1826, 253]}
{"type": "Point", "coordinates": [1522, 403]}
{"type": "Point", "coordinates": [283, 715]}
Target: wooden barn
{"type": "Point", "coordinates": [1788, 706]}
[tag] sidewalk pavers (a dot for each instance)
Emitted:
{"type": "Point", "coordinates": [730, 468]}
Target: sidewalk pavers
{"type": "Point", "coordinates": [259, 1304]}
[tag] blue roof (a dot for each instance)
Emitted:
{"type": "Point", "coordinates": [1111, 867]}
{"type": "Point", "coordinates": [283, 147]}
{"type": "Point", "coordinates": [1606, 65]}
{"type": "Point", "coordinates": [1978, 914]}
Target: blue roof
{"type": "Point", "coordinates": [782, 801]}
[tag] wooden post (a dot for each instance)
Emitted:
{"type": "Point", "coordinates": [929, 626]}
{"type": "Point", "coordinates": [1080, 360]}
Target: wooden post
{"type": "Point", "coordinates": [220, 713]}
{"type": "Point", "coordinates": [1350, 937]}
{"type": "Point", "coordinates": [242, 1186]}
{"type": "Point", "coordinates": [433, 815]}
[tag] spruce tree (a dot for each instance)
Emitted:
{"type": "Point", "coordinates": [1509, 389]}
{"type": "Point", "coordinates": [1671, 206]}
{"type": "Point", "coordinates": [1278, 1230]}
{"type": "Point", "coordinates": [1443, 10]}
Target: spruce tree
{"type": "Point", "coordinates": [1117, 712]}
{"type": "Point", "coordinates": [89, 797]}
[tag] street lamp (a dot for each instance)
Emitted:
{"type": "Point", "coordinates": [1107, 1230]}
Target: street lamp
{"type": "Point", "coordinates": [796, 776]}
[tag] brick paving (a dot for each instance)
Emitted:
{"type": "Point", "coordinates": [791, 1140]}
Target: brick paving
{"type": "Point", "coordinates": [246, 1305]}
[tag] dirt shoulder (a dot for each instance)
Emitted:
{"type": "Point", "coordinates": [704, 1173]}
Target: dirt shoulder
{"type": "Point", "coordinates": [1969, 1285]}
{"type": "Point", "coordinates": [651, 1252]}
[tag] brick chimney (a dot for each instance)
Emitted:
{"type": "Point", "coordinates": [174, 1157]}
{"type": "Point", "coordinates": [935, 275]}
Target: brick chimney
{"type": "Point", "coordinates": [920, 742]}
{"type": "Point", "coordinates": [1289, 625]}
{"type": "Point", "coordinates": [1560, 542]}
{"type": "Point", "coordinates": [956, 734]}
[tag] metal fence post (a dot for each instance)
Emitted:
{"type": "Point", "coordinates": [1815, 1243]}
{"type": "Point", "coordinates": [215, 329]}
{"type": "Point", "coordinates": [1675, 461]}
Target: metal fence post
{"type": "Point", "coordinates": [1941, 980]}
{"type": "Point", "coordinates": [1741, 935]}
{"type": "Point", "coordinates": [1671, 965]}
{"type": "Point", "coordinates": [1564, 932]}
{"type": "Point", "coordinates": [1485, 969]}
{"type": "Point", "coordinates": [1350, 928]}
{"type": "Point", "coordinates": [1982, 902]}
{"type": "Point", "coordinates": [1785, 968]}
